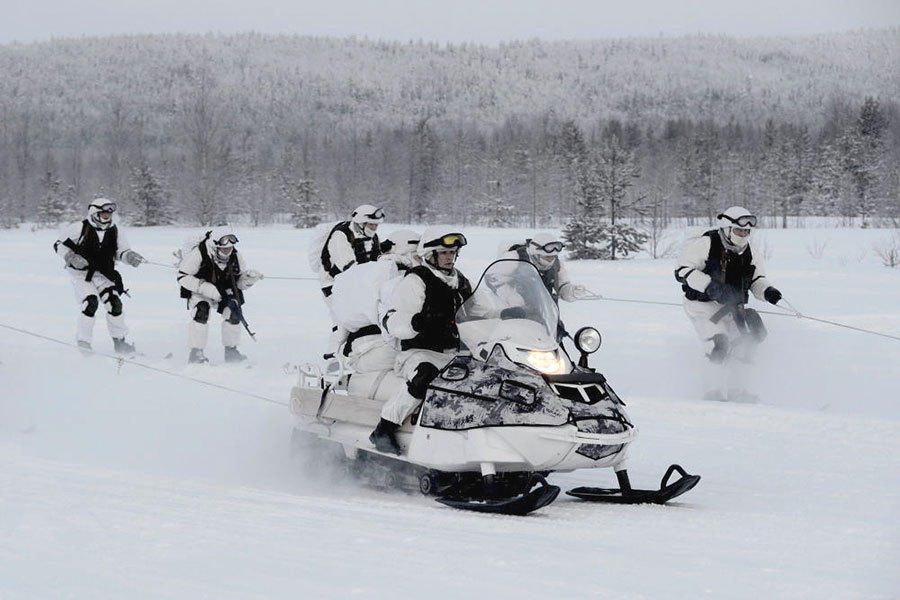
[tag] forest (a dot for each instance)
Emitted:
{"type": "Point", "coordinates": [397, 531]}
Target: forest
{"type": "Point", "coordinates": [593, 136]}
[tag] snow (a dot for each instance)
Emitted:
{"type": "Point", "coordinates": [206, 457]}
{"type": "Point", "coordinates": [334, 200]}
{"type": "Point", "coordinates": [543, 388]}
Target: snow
{"type": "Point", "coordinates": [119, 482]}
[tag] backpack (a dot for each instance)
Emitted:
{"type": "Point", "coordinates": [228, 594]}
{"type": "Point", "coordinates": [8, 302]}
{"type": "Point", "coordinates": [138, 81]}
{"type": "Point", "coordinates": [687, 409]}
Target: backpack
{"type": "Point", "coordinates": [186, 248]}
{"type": "Point", "coordinates": [314, 249]}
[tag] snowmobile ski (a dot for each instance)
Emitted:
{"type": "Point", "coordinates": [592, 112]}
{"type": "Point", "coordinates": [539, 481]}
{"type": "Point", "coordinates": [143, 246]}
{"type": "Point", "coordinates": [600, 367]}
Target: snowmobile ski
{"type": "Point", "coordinates": [627, 495]}
{"type": "Point", "coordinates": [519, 505]}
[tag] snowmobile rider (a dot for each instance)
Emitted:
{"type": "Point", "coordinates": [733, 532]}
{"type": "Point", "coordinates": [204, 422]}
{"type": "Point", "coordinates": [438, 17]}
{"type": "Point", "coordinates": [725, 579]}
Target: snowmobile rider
{"type": "Point", "coordinates": [349, 243]}
{"type": "Point", "coordinates": [90, 249]}
{"type": "Point", "coordinates": [716, 270]}
{"type": "Point", "coordinates": [422, 315]}
{"type": "Point", "coordinates": [214, 275]}
{"type": "Point", "coordinates": [359, 299]}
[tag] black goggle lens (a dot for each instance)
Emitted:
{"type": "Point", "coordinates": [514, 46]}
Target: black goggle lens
{"type": "Point", "coordinates": [551, 247]}
{"type": "Point", "coordinates": [227, 240]}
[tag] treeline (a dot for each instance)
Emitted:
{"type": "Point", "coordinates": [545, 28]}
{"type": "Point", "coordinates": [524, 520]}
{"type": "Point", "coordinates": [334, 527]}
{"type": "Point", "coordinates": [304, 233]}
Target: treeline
{"type": "Point", "coordinates": [200, 129]}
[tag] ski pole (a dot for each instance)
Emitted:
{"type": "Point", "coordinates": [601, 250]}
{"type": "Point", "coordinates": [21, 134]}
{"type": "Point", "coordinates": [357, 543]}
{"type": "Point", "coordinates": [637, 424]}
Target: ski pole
{"type": "Point", "coordinates": [790, 306]}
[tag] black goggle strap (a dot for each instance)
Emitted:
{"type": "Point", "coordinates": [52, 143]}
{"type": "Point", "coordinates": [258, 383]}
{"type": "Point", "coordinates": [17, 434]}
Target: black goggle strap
{"type": "Point", "coordinates": [109, 207]}
{"type": "Point", "coordinates": [742, 221]}
{"type": "Point", "coordinates": [549, 247]}
{"type": "Point", "coordinates": [378, 214]}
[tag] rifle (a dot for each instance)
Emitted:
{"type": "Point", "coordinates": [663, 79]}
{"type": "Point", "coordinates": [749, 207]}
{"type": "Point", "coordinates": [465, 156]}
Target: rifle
{"type": "Point", "coordinates": [231, 300]}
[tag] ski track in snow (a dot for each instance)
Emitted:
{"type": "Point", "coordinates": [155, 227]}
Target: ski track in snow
{"type": "Point", "coordinates": [116, 482]}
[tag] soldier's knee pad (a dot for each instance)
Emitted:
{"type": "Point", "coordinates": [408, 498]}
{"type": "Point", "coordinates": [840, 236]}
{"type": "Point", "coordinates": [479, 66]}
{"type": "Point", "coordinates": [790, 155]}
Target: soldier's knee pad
{"type": "Point", "coordinates": [418, 385]}
{"type": "Point", "coordinates": [115, 305]}
{"type": "Point", "coordinates": [201, 312]}
{"type": "Point", "coordinates": [755, 325]}
{"type": "Point", "coordinates": [90, 305]}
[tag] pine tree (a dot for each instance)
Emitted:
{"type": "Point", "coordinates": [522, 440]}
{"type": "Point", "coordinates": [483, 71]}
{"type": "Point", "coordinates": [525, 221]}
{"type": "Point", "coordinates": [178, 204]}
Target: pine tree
{"type": "Point", "coordinates": [603, 185]}
{"type": "Point", "coordinates": [52, 210]}
{"type": "Point", "coordinates": [303, 198]}
{"type": "Point", "coordinates": [493, 209]}
{"type": "Point", "coordinates": [700, 171]}
{"type": "Point", "coordinates": [148, 198]}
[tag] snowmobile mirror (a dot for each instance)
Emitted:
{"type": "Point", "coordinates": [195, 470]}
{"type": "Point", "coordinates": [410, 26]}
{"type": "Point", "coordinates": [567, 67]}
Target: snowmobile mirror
{"type": "Point", "coordinates": [455, 373]}
{"type": "Point", "coordinates": [515, 391]}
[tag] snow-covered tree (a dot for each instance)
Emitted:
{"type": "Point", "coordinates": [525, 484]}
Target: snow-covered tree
{"type": "Point", "coordinates": [303, 198]}
{"type": "Point", "coordinates": [150, 202]}
{"type": "Point", "coordinates": [52, 208]}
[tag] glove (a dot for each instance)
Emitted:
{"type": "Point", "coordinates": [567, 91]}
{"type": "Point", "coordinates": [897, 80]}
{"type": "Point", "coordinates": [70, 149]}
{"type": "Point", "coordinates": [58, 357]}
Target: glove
{"type": "Point", "coordinates": [210, 291]}
{"type": "Point", "coordinates": [422, 322]}
{"type": "Point", "coordinates": [76, 261]}
{"type": "Point", "coordinates": [579, 292]}
{"type": "Point", "coordinates": [250, 277]}
{"type": "Point", "coordinates": [722, 292]}
{"type": "Point", "coordinates": [132, 258]}
{"type": "Point", "coordinates": [772, 295]}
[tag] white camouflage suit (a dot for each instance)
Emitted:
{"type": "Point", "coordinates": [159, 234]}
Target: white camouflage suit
{"type": "Point", "coordinates": [204, 291]}
{"type": "Point", "coordinates": [342, 258]}
{"type": "Point", "coordinates": [99, 285]}
{"type": "Point", "coordinates": [408, 300]}
{"type": "Point", "coordinates": [359, 299]}
{"type": "Point", "coordinates": [690, 267]}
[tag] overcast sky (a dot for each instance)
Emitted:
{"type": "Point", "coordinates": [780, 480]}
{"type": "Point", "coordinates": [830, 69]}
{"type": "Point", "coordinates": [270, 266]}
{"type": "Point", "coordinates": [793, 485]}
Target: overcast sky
{"type": "Point", "coordinates": [486, 21]}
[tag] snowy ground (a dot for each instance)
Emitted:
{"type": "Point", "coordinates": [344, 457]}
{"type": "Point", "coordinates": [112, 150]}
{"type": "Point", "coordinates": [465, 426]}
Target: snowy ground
{"type": "Point", "coordinates": [125, 483]}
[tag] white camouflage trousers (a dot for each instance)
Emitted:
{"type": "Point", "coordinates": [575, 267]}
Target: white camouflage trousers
{"type": "Point", "coordinates": [402, 404]}
{"type": "Point", "coordinates": [199, 332]}
{"type": "Point", "coordinates": [84, 331]}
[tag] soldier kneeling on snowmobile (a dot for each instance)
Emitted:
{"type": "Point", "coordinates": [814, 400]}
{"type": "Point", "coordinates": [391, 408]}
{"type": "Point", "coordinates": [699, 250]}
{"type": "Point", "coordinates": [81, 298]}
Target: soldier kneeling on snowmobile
{"type": "Point", "coordinates": [90, 249]}
{"type": "Point", "coordinates": [213, 275]}
{"type": "Point", "coordinates": [716, 271]}
{"type": "Point", "coordinates": [359, 300]}
{"type": "Point", "coordinates": [542, 250]}
{"type": "Point", "coordinates": [421, 313]}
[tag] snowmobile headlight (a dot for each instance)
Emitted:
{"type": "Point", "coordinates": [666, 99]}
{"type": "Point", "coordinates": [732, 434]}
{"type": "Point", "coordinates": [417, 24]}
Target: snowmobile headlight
{"type": "Point", "coordinates": [587, 340]}
{"type": "Point", "coordinates": [546, 362]}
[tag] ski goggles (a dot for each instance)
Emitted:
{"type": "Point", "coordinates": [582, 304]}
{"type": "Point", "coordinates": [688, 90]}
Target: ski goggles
{"type": "Point", "coordinates": [226, 240]}
{"type": "Point", "coordinates": [549, 247]}
{"type": "Point", "coordinates": [377, 215]}
{"type": "Point", "coordinates": [744, 221]}
{"type": "Point", "coordinates": [109, 207]}
{"type": "Point", "coordinates": [451, 240]}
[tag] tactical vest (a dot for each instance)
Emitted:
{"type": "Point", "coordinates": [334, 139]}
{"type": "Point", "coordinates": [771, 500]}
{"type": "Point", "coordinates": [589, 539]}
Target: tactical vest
{"type": "Point", "coordinates": [550, 277]}
{"type": "Point", "coordinates": [101, 256]}
{"type": "Point", "coordinates": [439, 309]}
{"type": "Point", "coordinates": [358, 244]}
{"type": "Point", "coordinates": [725, 266]}
{"type": "Point", "coordinates": [225, 279]}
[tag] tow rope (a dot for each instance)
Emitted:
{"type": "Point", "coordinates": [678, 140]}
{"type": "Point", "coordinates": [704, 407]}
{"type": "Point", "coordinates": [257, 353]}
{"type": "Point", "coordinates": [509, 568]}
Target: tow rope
{"type": "Point", "coordinates": [123, 360]}
{"type": "Point", "coordinates": [794, 313]}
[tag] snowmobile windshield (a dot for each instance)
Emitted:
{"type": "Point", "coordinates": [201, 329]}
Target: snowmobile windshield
{"type": "Point", "coordinates": [509, 304]}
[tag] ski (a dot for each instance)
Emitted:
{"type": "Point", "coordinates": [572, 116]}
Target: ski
{"type": "Point", "coordinates": [627, 495]}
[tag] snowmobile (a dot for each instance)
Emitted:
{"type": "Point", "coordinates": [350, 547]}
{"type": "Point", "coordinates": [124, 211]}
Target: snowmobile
{"type": "Point", "coordinates": [508, 410]}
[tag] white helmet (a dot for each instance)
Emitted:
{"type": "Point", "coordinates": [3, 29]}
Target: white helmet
{"type": "Point", "coordinates": [401, 241]}
{"type": "Point", "coordinates": [436, 239]}
{"type": "Point", "coordinates": [223, 239]}
{"type": "Point", "coordinates": [100, 212]}
{"type": "Point", "coordinates": [543, 249]}
{"type": "Point", "coordinates": [736, 217]}
{"type": "Point", "coordinates": [366, 219]}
